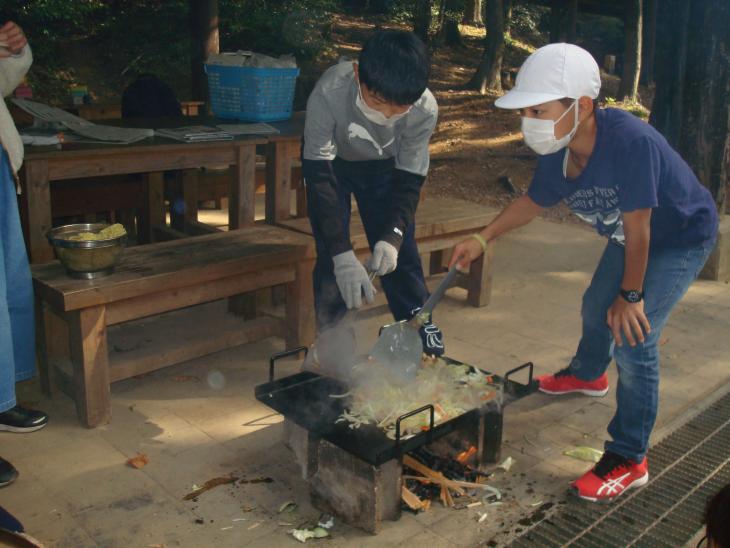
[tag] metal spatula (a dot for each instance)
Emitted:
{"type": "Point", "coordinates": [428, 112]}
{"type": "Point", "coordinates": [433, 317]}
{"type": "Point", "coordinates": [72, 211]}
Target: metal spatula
{"type": "Point", "coordinates": [399, 345]}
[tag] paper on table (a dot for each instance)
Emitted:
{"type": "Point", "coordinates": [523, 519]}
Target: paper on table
{"type": "Point", "coordinates": [89, 130]}
{"type": "Point", "coordinates": [40, 140]}
{"type": "Point", "coordinates": [249, 129]}
{"type": "Point", "coordinates": [110, 134]}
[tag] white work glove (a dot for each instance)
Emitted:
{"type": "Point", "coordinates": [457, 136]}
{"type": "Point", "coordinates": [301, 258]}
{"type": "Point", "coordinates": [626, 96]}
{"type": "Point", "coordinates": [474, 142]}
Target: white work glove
{"type": "Point", "coordinates": [384, 258]}
{"type": "Point", "coordinates": [352, 280]}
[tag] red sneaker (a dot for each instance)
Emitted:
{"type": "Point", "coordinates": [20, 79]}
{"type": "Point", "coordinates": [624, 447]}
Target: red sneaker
{"type": "Point", "coordinates": [564, 382]}
{"type": "Point", "coordinates": [612, 476]}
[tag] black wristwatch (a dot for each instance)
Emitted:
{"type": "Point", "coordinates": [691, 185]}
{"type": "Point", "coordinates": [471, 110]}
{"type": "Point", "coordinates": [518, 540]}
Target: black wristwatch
{"type": "Point", "coordinates": [631, 295]}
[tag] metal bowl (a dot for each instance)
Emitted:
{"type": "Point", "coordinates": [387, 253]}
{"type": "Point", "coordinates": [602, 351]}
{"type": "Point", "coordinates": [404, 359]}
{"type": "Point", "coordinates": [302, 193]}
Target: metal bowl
{"type": "Point", "coordinates": [86, 259]}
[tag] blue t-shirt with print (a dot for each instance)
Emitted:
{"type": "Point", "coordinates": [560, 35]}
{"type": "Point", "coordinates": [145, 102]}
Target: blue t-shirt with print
{"type": "Point", "coordinates": [632, 167]}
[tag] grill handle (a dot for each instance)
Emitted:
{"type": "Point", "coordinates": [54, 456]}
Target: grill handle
{"type": "Point", "coordinates": [285, 354]}
{"type": "Point", "coordinates": [428, 407]}
{"type": "Point", "coordinates": [528, 366]}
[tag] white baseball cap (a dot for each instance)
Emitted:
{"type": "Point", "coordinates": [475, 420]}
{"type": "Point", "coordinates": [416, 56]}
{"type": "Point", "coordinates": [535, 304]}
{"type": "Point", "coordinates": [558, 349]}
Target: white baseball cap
{"type": "Point", "coordinates": [553, 72]}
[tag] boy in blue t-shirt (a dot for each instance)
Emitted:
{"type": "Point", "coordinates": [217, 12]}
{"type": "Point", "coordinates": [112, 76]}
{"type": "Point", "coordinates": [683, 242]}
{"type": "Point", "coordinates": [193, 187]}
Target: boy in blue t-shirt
{"type": "Point", "coordinates": [619, 174]}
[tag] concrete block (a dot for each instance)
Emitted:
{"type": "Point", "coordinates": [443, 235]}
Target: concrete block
{"type": "Point", "coordinates": [354, 491]}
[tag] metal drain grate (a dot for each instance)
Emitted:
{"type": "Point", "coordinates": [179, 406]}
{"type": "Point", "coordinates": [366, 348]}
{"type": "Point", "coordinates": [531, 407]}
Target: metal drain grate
{"type": "Point", "coordinates": [686, 468]}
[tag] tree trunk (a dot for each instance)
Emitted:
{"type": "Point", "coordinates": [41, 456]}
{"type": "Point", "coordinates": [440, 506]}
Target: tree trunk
{"type": "Point", "coordinates": [628, 90]}
{"type": "Point", "coordinates": [489, 73]}
{"type": "Point", "coordinates": [556, 20]}
{"type": "Point", "coordinates": [692, 101]}
{"type": "Point", "coordinates": [473, 13]}
{"type": "Point", "coordinates": [422, 19]}
{"type": "Point", "coordinates": [572, 21]}
{"type": "Point", "coordinates": [704, 136]}
{"type": "Point", "coordinates": [670, 68]}
{"type": "Point", "coordinates": [507, 17]}
{"type": "Point", "coordinates": [204, 42]}
{"type": "Point", "coordinates": [648, 46]}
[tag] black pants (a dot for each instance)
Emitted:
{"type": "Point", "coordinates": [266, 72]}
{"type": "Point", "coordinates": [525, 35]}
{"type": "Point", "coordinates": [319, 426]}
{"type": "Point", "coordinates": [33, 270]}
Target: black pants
{"type": "Point", "coordinates": [405, 287]}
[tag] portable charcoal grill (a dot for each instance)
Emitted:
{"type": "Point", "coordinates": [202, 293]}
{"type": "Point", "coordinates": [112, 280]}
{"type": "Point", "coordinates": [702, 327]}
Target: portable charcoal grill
{"type": "Point", "coordinates": [355, 474]}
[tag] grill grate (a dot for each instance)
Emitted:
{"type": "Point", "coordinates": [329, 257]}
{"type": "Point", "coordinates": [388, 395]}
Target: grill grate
{"type": "Point", "coordinates": [686, 468]}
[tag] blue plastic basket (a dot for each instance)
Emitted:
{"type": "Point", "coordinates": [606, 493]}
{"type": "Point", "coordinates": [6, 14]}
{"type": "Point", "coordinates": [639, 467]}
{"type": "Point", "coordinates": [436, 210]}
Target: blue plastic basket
{"type": "Point", "coordinates": [250, 93]}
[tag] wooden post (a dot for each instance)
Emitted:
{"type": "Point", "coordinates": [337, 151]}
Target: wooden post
{"type": "Point", "coordinates": [241, 206]}
{"type": "Point", "coordinates": [300, 307]}
{"type": "Point", "coordinates": [90, 359]}
{"type": "Point", "coordinates": [36, 205]}
{"type": "Point", "coordinates": [154, 207]}
{"type": "Point", "coordinates": [190, 195]}
{"type": "Point", "coordinates": [51, 342]}
{"type": "Point", "coordinates": [278, 181]}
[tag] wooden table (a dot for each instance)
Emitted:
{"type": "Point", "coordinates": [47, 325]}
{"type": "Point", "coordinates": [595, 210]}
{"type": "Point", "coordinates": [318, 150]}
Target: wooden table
{"type": "Point", "coordinates": [150, 157]}
{"type": "Point", "coordinates": [154, 156]}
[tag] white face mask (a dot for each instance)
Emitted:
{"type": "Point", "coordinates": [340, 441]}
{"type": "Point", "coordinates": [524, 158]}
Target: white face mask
{"type": "Point", "coordinates": [539, 134]}
{"type": "Point", "coordinates": [375, 116]}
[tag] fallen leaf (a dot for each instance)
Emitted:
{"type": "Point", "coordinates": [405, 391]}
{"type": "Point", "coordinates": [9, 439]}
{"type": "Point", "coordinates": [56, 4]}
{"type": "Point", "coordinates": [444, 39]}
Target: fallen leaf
{"type": "Point", "coordinates": [588, 454]}
{"type": "Point", "coordinates": [140, 461]}
{"type": "Point", "coordinates": [288, 506]}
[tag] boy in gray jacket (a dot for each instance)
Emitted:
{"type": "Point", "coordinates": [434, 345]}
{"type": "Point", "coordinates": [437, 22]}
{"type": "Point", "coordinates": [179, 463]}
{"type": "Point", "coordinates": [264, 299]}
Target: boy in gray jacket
{"type": "Point", "coordinates": [366, 134]}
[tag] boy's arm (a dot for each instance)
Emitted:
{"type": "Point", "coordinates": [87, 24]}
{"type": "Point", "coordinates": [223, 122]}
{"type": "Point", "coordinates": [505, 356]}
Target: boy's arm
{"type": "Point", "coordinates": [12, 70]}
{"type": "Point", "coordinates": [518, 213]}
{"type": "Point", "coordinates": [318, 152]}
{"type": "Point", "coordinates": [410, 172]}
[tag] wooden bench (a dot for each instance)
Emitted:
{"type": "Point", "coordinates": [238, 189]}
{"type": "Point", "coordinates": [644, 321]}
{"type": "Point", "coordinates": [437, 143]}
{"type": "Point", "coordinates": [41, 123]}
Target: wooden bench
{"type": "Point", "coordinates": [440, 224]}
{"type": "Point", "coordinates": [73, 315]}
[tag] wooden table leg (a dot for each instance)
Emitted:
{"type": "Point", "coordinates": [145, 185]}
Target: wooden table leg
{"type": "Point", "coordinates": [36, 205]}
{"type": "Point", "coordinates": [154, 206]}
{"type": "Point", "coordinates": [480, 279]}
{"type": "Point", "coordinates": [241, 206]}
{"type": "Point", "coordinates": [90, 366]}
{"type": "Point", "coordinates": [190, 179]}
{"type": "Point", "coordinates": [278, 182]}
{"type": "Point", "coordinates": [242, 213]}
{"type": "Point", "coordinates": [300, 307]}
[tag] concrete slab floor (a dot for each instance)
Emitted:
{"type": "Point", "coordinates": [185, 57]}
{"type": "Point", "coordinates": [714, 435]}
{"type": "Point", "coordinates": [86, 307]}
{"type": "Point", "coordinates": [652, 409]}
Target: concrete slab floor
{"type": "Point", "coordinates": [75, 489]}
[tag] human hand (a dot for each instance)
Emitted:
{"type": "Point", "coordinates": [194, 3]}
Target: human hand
{"type": "Point", "coordinates": [384, 259]}
{"type": "Point", "coordinates": [352, 280]}
{"type": "Point", "coordinates": [629, 318]}
{"type": "Point", "coordinates": [12, 39]}
{"type": "Point", "coordinates": [465, 252]}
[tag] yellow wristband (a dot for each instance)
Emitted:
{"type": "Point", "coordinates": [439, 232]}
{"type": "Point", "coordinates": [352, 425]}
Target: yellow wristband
{"type": "Point", "coordinates": [479, 238]}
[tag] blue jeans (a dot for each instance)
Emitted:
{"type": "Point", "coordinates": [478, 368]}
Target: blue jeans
{"type": "Point", "coordinates": [669, 274]}
{"type": "Point", "coordinates": [405, 287]}
{"type": "Point", "coordinates": [17, 331]}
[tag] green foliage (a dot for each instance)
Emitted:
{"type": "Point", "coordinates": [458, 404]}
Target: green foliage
{"type": "Point", "coordinates": [80, 41]}
{"type": "Point", "coordinates": [528, 22]}
{"type": "Point", "coordinates": [637, 109]}
{"type": "Point", "coordinates": [285, 26]}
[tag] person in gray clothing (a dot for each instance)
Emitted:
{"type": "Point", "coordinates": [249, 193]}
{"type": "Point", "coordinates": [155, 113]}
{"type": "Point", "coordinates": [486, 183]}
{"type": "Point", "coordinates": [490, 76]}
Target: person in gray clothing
{"type": "Point", "coordinates": [366, 134]}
